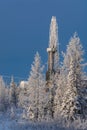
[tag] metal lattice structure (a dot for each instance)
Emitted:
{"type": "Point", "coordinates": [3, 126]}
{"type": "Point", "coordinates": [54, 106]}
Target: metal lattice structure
{"type": "Point", "coordinates": [53, 48]}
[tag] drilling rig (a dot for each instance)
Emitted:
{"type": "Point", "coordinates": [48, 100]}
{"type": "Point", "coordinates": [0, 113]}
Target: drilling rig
{"type": "Point", "coordinates": [52, 50]}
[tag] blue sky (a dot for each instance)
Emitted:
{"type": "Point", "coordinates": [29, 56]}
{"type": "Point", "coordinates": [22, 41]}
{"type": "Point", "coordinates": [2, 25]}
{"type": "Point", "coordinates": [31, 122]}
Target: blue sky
{"type": "Point", "coordinates": [24, 29]}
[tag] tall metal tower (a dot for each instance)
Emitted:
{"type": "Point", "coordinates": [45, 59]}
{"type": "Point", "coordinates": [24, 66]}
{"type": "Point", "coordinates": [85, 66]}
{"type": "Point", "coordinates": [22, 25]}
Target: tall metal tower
{"type": "Point", "coordinates": [53, 55]}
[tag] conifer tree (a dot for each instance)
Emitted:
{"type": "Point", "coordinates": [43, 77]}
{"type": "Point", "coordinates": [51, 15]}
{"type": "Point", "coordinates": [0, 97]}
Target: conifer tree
{"type": "Point", "coordinates": [35, 88]}
{"type": "Point", "coordinates": [60, 90]}
{"type": "Point", "coordinates": [13, 93]}
{"type": "Point", "coordinates": [72, 103]}
{"type": "Point", "coordinates": [22, 94]}
{"type": "Point", "coordinates": [2, 94]}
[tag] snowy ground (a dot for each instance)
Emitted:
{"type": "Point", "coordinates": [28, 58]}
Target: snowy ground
{"type": "Point", "coordinates": [6, 123]}
{"type": "Point", "coordinates": [12, 125]}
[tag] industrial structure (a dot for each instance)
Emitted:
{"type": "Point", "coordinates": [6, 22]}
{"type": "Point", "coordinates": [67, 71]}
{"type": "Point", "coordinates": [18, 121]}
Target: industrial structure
{"type": "Point", "coordinates": [53, 54]}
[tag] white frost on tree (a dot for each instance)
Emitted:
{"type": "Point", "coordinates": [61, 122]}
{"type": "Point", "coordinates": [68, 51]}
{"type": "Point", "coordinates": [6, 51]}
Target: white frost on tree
{"type": "Point", "coordinates": [72, 105]}
{"type": "Point", "coordinates": [35, 90]}
{"type": "Point", "coordinates": [22, 97]}
{"type": "Point", "coordinates": [74, 48]}
{"type": "Point", "coordinates": [13, 93]}
{"type": "Point", "coordinates": [72, 102]}
{"type": "Point", "coordinates": [2, 94]}
{"type": "Point", "coordinates": [60, 80]}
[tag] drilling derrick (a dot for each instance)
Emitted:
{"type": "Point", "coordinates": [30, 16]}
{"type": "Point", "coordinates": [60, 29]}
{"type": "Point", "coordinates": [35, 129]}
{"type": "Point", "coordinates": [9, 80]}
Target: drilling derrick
{"type": "Point", "coordinates": [52, 49]}
{"type": "Point", "coordinates": [50, 71]}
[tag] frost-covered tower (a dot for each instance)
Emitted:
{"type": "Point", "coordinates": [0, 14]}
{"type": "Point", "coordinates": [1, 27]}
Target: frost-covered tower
{"type": "Point", "coordinates": [52, 50]}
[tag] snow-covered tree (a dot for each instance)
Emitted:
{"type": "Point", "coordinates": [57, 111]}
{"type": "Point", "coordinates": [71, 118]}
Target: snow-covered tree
{"type": "Point", "coordinates": [61, 82]}
{"type": "Point", "coordinates": [22, 97]}
{"type": "Point", "coordinates": [75, 50]}
{"type": "Point", "coordinates": [2, 94]}
{"type": "Point", "coordinates": [13, 93]}
{"type": "Point", "coordinates": [6, 97]}
{"type": "Point", "coordinates": [35, 89]}
{"type": "Point", "coordinates": [72, 105]}
{"type": "Point", "coordinates": [72, 102]}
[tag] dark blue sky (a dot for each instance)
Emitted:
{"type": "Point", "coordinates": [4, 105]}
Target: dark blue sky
{"type": "Point", "coordinates": [24, 29]}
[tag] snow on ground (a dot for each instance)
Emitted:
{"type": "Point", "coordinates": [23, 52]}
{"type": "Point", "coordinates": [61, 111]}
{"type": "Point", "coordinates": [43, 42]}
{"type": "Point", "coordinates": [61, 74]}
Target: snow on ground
{"type": "Point", "coordinates": [13, 125]}
{"type": "Point", "coordinates": [6, 123]}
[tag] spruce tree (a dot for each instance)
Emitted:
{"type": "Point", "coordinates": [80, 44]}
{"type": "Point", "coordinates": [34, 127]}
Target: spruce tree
{"type": "Point", "coordinates": [2, 94]}
{"type": "Point", "coordinates": [72, 102]}
{"type": "Point", "coordinates": [35, 90]}
{"type": "Point", "coordinates": [13, 93]}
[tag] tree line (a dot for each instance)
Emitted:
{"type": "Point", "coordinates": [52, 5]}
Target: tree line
{"type": "Point", "coordinates": [66, 98]}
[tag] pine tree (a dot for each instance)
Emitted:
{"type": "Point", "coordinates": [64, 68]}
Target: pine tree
{"type": "Point", "coordinates": [60, 90]}
{"type": "Point", "coordinates": [22, 94]}
{"type": "Point", "coordinates": [35, 88]}
{"type": "Point", "coordinates": [2, 94]}
{"type": "Point", "coordinates": [72, 103]}
{"type": "Point", "coordinates": [6, 97]}
{"type": "Point", "coordinates": [75, 49]}
{"type": "Point", "coordinates": [13, 93]}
